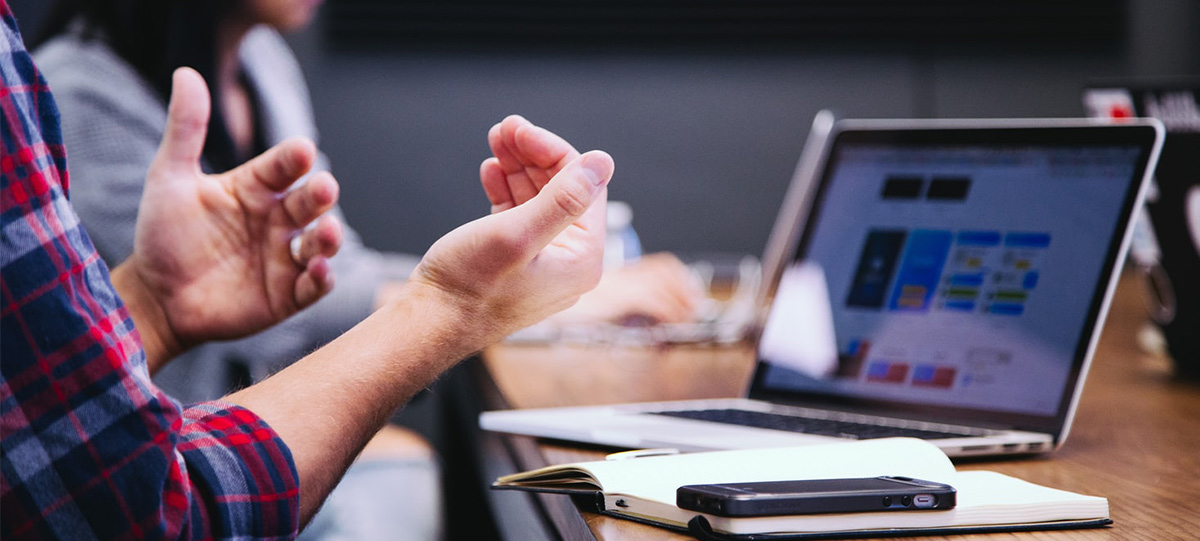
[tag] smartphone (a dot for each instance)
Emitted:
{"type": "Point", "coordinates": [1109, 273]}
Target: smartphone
{"type": "Point", "coordinates": [811, 496]}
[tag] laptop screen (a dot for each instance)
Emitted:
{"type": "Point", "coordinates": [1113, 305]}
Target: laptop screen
{"type": "Point", "coordinates": [958, 273]}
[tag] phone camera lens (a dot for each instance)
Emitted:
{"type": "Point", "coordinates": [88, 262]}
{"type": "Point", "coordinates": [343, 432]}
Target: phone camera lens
{"type": "Point", "coordinates": [906, 501]}
{"type": "Point", "coordinates": [887, 501]}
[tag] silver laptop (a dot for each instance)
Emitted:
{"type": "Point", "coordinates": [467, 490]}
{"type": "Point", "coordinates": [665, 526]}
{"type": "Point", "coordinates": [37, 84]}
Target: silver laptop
{"type": "Point", "coordinates": [945, 280]}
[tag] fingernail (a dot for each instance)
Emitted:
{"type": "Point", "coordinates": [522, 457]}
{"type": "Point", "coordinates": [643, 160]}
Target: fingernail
{"type": "Point", "coordinates": [596, 169]}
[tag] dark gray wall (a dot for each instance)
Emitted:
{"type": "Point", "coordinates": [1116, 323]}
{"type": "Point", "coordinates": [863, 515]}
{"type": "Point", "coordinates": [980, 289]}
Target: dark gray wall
{"type": "Point", "coordinates": [704, 143]}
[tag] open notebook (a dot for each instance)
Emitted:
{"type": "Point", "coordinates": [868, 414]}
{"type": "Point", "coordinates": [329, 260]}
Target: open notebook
{"type": "Point", "coordinates": [945, 280]}
{"type": "Point", "coordinates": [643, 489]}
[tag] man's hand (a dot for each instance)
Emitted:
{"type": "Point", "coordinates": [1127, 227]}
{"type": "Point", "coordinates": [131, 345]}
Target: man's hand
{"type": "Point", "coordinates": [543, 245]}
{"type": "Point", "coordinates": [211, 253]}
{"type": "Point", "coordinates": [658, 288]}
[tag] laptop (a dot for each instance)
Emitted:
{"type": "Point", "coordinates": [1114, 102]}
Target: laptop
{"type": "Point", "coordinates": [942, 279]}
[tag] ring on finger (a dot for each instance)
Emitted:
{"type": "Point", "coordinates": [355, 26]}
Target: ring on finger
{"type": "Point", "coordinates": [295, 246]}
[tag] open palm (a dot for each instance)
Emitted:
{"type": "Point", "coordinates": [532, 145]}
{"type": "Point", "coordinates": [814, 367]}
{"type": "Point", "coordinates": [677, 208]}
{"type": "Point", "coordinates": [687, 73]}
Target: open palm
{"type": "Point", "coordinates": [213, 250]}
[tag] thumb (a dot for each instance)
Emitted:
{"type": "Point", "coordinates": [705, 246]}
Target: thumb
{"type": "Point", "coordinates": [568, 198]}
{"type": "Point", "coordinates": [187, 121]}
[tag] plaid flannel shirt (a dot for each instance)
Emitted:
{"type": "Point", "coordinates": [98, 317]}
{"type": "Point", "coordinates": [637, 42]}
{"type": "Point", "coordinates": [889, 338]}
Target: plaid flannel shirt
{"type": "Point", "coordinates": [90, 447]}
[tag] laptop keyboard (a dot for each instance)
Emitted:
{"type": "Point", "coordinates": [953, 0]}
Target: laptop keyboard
{"type": "Point", "coordinates": [821, 427]}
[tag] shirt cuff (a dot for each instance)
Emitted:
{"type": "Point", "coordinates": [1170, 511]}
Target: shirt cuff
{"type": "Point", "coordinates": [243, 471]}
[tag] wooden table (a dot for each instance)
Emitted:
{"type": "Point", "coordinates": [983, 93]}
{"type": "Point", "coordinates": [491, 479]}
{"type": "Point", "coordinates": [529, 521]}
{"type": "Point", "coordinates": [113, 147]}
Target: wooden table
{"type": "Point", "coordinates": [1135, 440]}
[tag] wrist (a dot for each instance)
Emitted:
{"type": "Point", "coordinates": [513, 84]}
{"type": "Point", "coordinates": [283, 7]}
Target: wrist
{"type": "Point", "coordinates": [386, 292]}
{"type": "Point", "coordinates": [458, 325]}
{"type": "Point", "coordinates": [149, 317]}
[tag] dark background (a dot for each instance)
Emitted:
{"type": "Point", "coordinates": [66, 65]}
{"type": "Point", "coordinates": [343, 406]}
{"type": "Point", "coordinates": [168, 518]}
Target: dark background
{"type": "Point", "coordinates": [704, 105]}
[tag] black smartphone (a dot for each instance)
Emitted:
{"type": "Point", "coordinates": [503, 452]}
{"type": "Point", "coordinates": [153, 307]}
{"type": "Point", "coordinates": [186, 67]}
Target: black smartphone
{"type": "Point", "coordinates": [811, 496]}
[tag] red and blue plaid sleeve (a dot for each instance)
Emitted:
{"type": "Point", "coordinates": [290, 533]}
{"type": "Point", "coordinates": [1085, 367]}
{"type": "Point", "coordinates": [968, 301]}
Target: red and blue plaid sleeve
{"type": "Point", "coordinates": [90, 448]}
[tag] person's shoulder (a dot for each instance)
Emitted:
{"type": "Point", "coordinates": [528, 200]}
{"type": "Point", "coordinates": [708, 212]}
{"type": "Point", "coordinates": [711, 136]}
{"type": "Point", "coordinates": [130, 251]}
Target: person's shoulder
{"type": "Point", "coordinates": [89, 77]}
{"type": "Point", "coordinates": [263, 37]}
{"type": "Point", "coordinates": [277, 77]}
{"type": "Point", "coordinates": [70, 58]}
{"type": "Point", "coordinates": [264, 48]}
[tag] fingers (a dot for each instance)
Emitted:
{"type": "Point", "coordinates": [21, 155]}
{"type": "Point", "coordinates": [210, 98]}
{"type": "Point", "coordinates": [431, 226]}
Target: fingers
{"type": "Point", "coordinates": [568, 198]}
{"type": "Point", "coordinates": [512, 165]}
{"type": "Point", "coordinates": [276, 169]}
{"type": "Point", "coordinates": [542, 148]}
{"type": "Point", "coordinates": [311, 200]}
{"type": "Point", "coordinates": [495, 185]}
{"type": "Point", "coordinates": [675, 306]}
{"type": "Point", "coordinates": [657, 287]}
{"type": "Point", "coordinates": [187, 122]}
{"type": "Point", "coordinates": [314, 282]}
{"type": "Point", "coordinates": [518, 143]}
{"type": "Point", "coordinates": [311, 251]}
{"type": "Point", "coordinates": [675, 278]}
{"type": "Point", "coordinates": [526, 156]}
{"type": "Point", "coordinates": [322, 240]}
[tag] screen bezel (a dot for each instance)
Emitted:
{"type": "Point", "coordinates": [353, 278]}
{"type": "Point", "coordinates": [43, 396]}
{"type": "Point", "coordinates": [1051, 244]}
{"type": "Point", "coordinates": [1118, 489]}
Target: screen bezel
{"type": "Point", "coordinates": [1145, 135]}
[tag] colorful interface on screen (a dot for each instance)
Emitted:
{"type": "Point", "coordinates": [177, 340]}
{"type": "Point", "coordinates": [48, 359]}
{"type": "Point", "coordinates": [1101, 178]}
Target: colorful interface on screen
{"type": "Point", "coordinates": [957, 276]}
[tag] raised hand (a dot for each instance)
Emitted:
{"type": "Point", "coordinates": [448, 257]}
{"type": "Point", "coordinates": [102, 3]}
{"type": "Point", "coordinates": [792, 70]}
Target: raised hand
{"type": "Point", "coordinates": [658, 289]}
{"type": "Point", "coordinates": [525, 158]}
{"type": "Point", "coordinates": [214, 256]}
{"type": "Point", "coordinates": [542, 247]}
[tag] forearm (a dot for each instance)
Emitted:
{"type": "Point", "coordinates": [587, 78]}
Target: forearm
{"type": "Point", "coordinates": [328, 405]}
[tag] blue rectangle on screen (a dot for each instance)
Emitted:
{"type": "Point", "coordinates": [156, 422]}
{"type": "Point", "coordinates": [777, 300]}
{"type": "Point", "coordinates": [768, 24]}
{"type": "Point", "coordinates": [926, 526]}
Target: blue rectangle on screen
{"type": "Point", "coordinates": [1007, 309]}
{"type": "Point", "coordinates": [877, 370]}
{"type": "Point", "coordinates": [924, 373]}
{"type": "Point", "coordinates": [1031, 280]}
{"type": "Point", "coordinates": [979, 238]}
{"type": "Point", "coordinates": [1027, 240]}
{"type": "Point", "coordinates": [920, 270]}
{"type": "Point", "coordinates": [967, 280]}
